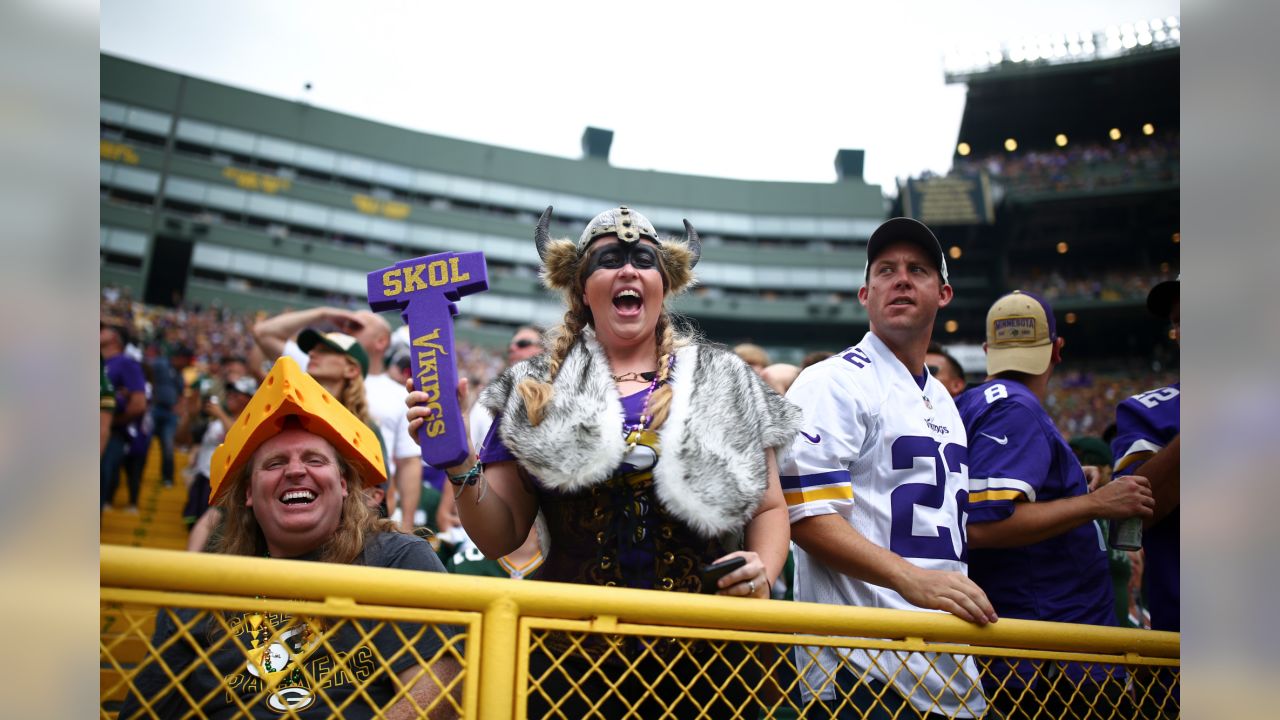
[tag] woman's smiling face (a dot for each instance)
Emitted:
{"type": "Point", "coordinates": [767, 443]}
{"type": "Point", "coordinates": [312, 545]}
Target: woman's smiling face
{"type": "Point", "coordinates": [624, 289]}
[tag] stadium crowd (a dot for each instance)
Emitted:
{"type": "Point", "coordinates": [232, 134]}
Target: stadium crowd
{"type": "Point", "coordinates": [784, 472]}
{"type": "Point", "coordinates": [1083, 402]}
{"type": "Point", "coordinates": [1112, 286]}
{"type": "Point", "coordinates": [1080, 166]}
{"type": "Point", "coordinates": [212, 334]}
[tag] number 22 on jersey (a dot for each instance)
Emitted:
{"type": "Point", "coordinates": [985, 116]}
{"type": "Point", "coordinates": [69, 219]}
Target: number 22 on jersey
{"type": "Point", "coordinates": [906, 497]}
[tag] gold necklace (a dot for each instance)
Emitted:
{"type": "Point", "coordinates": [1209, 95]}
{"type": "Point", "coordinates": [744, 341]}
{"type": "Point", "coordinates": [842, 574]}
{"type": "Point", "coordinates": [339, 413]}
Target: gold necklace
{"type": "Point", "coordinates": [633, 432]}
{"type": "Point", "coordinates": [635, 376]}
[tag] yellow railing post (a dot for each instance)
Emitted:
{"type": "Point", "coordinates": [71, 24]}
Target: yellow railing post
{"type": "Point", "coordinates": [498, 658]}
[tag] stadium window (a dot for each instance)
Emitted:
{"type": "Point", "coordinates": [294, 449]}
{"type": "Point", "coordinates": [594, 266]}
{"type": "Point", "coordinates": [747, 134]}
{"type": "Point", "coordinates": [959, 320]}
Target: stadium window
{"type": "Point", "coordinates": [147, 121]}
{"type": "Point", "coordinates": [952, 326]}
{"type": "Point", "coordinates": [954, 252]}
{"type": "Point", "coordinates": [1060, 140]}
{"type": "Point", "coordinates": [1164, 267]}
{"type": "Point", "coordinates": [1010, 144]}
{"type": "Point", "coordinates": [1148, 129]}
{"type": "Point", "coordinates": [1177, 238]}
{"type": "Point", "coordinates": [963, 149]}
{"type": "Point", "coordinates": [1114, 134]}
{"type": "Point", "coordinates": [1071, 318]}
{"type": "Point", "coordinates": [1062, 248]}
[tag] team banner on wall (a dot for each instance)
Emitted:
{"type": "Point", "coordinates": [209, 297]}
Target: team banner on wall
{"type": "Point", "coordinates": [949, 200]}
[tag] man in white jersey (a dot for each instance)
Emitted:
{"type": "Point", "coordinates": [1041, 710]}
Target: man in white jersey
{"type": "Point", "coordinates": [876, 485]}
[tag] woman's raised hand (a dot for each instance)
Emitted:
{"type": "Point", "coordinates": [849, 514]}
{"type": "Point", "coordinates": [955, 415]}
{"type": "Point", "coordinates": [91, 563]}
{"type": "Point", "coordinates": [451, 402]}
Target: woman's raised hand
{"type": "Point", "coordinates": [419, 412]}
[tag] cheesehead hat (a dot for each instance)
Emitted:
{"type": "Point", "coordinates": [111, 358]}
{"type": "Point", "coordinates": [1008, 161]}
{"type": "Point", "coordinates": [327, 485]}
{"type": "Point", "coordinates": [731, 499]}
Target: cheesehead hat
{"type": "Point", "coordinates": [288, 392]}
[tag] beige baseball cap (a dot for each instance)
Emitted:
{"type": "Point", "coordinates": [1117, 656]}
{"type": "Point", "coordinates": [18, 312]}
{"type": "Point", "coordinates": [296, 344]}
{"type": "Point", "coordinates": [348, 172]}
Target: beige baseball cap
{"type": "Point", "coordinates": [1020, 334]}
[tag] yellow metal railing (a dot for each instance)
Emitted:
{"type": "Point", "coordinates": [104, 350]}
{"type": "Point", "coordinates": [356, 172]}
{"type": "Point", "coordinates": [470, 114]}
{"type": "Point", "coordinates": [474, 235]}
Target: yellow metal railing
{"type": "Point", "coordinates": [349, 641]}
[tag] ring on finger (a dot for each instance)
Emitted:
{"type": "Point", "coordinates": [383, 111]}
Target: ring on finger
{"type": "Point", "coordinates": [753, 587]}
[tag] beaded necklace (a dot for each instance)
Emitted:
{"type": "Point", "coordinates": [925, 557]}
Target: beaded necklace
{"type": "Point", "coordinates": [633, 432]}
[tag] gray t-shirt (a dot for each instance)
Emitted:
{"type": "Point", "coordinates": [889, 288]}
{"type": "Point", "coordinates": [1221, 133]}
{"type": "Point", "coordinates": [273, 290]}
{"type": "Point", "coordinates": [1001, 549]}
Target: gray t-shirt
{"type": "Point", "coordinates": [290, 651]}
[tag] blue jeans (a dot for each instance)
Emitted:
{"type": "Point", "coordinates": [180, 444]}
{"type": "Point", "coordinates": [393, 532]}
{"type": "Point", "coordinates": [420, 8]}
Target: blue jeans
{"type": "Point", "coordinates": [116, 458]}
{"type": "Point", "coordinates": [166, 426]}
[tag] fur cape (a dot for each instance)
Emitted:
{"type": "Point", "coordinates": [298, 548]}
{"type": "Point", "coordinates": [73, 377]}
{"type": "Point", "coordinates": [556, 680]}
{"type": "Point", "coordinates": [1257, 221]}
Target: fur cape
{"type": "Point", "coordinates": [711, 473]}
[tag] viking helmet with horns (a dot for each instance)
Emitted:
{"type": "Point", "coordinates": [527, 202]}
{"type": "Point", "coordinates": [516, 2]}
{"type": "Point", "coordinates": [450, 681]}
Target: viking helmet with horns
{"type": "Point", "coordinates": [562, 258]}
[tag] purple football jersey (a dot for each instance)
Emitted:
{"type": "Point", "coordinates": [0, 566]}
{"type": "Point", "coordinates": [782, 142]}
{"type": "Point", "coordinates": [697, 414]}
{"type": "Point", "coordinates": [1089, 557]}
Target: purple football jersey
{"type": "Point", "coordinates": [1016, 454]}
{"type": "Point", "coordinates": [1145, 423]}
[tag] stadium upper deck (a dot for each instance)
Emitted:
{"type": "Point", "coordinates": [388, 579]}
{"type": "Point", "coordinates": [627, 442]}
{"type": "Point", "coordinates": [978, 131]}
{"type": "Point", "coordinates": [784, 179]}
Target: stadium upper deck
{"type": "Point", "coordinates": [209, 191]}
{"type": "Point", "coordinates": [1074, 157]}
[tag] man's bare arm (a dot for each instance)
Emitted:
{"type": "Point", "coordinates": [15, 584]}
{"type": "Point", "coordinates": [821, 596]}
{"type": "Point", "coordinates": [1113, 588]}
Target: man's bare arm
{"type": "Point", "coordinates": [1031, 522]}
{"type": "Point", "coordinates": [1164, 472]}
{"type": "Point", "coordinates": [837, 545]}
{"type": "Point", "coordinates": [133, 409]}
{"type": "Point", "coordinates": [424, 689]}
{"type": "Point", "coordinates": [274, 332]}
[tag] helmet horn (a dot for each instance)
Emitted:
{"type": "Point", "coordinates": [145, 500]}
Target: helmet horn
{"type": "Point", "coordinates": [691, 239]}
{"type": "Point", "coordinates": [541, 236]}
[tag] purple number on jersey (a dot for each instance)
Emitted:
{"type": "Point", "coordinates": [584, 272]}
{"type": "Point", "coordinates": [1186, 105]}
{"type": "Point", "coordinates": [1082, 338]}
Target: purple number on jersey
{"type": "Point", "coordinates": [858, 357]}
{"type": "Point", "coordinates": [904, 499]}
{"type": "Point", "coordinates": [957, 455]}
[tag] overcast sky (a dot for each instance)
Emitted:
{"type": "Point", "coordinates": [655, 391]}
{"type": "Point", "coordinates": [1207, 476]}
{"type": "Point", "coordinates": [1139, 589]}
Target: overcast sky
{"type": "Point", "coordinates": [761, 91]}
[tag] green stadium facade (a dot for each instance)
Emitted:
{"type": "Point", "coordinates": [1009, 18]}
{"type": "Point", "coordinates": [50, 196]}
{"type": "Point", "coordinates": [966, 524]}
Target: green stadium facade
{"type": "Point", "coordinates": [211, 193]}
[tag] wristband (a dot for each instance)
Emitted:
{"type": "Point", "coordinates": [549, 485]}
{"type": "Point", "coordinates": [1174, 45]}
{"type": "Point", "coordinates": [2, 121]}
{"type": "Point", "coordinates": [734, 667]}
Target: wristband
{"type": "Point", "coordinates": [467, 478]}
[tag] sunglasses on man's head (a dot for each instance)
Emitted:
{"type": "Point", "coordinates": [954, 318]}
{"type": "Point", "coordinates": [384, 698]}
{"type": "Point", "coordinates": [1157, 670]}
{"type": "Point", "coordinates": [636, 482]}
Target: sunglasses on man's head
{"type": "Point", "coordinates": [523, 343]}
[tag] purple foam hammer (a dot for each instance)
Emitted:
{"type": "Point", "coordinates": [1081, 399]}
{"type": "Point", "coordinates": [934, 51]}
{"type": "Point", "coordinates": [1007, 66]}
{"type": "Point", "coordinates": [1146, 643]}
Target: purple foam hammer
{"type": "Point", "coordinates": [424, 290]}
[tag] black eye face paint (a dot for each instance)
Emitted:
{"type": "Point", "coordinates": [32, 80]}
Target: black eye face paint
{"type": "Point", "coordinates": [640, 255]}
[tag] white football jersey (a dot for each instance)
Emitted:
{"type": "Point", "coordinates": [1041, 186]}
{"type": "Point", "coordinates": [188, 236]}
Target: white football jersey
{"type": "Point", "coordinates": [891, 458]}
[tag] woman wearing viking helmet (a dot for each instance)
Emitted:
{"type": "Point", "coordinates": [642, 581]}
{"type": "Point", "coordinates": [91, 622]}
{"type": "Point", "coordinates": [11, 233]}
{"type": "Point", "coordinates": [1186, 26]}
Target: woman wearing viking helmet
{"type": "Point", "coordinates": [647, 454]}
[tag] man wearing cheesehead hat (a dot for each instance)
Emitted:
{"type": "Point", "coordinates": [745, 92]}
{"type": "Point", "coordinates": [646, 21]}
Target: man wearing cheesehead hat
{"type": "Point", "coordinates": [288, 479]}
{"type": "Point", "coordinates": [1033, 546]}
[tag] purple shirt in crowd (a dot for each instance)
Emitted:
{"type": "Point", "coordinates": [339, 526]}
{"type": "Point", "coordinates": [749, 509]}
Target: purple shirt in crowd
{"type": "Point", "coordinates": [126, 377]}
{"type": "Point", "coordinates": [1017, 454]}
{"type": "Point", "coordinates": [1145, 424]}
